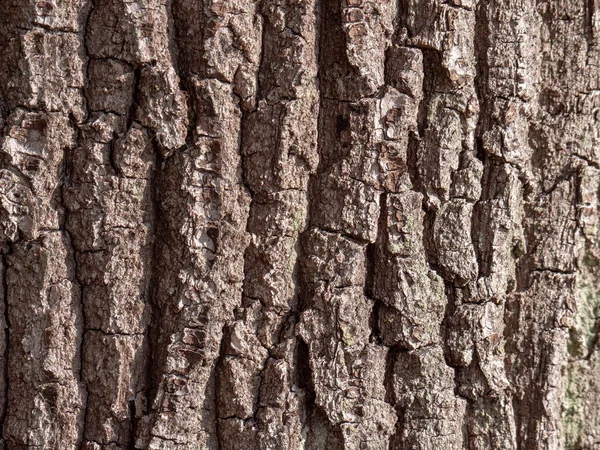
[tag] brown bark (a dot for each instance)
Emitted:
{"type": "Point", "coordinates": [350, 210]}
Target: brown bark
{"type": "Point", "coordinates": [300, 224]}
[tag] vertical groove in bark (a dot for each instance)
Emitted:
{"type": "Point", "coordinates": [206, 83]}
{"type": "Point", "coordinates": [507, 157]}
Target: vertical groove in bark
{"type": "Point", "coordinates": [67, 171]}
{"type": "Point", "coordinates": [81, 340]}
{"type": "Point", "coordinates": [5, 348]}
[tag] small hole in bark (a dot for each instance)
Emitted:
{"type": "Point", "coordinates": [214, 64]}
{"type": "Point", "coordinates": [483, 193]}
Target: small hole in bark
{"type": "Point", "coordinates": [50, 395]}
{"type": "Point", "coordinates": [342, 123]}
{"type": "Point", "coordinates": [304, 372]}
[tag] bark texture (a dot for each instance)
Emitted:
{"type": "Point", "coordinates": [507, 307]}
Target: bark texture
{"type": "Point", "coordinates": [299, 224]}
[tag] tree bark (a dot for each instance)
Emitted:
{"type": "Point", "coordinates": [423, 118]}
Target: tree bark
{"type": "Point", "coordinates": [300, 224]}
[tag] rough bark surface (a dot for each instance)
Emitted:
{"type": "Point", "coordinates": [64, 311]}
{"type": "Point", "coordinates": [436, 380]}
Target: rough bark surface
{"type": "Point", "coordinates": [299, 224]}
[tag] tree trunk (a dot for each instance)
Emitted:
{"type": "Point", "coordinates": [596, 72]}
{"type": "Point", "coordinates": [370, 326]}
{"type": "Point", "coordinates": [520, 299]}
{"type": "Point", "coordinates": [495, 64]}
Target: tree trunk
{"type": "Point", "coordinates": [300, 224]}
